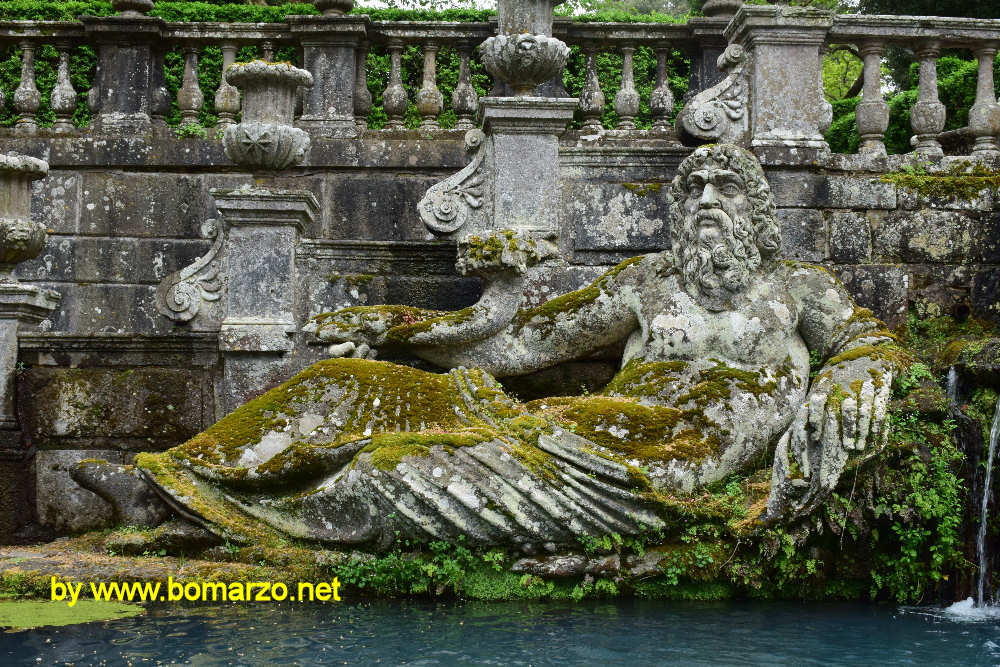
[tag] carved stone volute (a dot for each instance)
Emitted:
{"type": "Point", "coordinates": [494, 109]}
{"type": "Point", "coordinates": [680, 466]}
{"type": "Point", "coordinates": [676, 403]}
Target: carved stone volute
{"type": "Point", "coordinates": [719, 114]}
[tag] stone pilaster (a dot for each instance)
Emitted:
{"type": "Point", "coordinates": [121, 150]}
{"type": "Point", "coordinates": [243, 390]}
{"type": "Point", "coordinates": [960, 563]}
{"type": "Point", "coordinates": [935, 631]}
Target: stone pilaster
{"type": "Point", "coordinates": [122, 96]}
{"type": "Point", "coordinates": [787, 111]}
{"type": "Point", "coordinates": [262, 232]}
{"type": "Point", "coordinates": [328, 52]}
{"type": "Point", "coordinates": [524, 136]}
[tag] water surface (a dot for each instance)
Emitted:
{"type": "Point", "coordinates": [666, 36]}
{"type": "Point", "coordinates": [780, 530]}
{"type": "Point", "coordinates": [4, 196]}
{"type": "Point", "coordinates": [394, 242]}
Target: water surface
{"type": "Point", "coordinates": [429, 633]}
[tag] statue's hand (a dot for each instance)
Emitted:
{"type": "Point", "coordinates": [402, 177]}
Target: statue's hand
{"type": "Point", "coordinates": [353, 331]}
{"type": "Point", "coordinates": [844, 412]}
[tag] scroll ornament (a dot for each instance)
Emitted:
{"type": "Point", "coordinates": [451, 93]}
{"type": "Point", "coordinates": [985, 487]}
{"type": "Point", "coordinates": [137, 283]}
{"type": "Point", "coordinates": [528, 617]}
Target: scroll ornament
{"type": "Point", "coordinates": [719, 113]}
{"type": "Point", "coordinates": [180, 295]}
{"type": "Point", "coordinates": [449, 205]}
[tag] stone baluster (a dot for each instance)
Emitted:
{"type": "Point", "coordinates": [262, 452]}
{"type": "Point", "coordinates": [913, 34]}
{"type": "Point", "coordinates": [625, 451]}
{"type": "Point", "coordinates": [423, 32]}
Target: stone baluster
{"type": "Point", "coordinates": [464, 99]}
{"type": "Point", "coordinates": [928, 114]}
{"type": "Point", "coordinates": [429, 98]}
{"type": "Point", "coordinates": [591, 96]}
{"type": "Point", "coordinates": [661, 100]}
{"type": "Point", "coordinates": [627, 99]}
{"type": "Point", "coordinates": [872, 112]}
{"type": "Point", "coordinates": [27, 98]}
{"type": "Point", "coordinates": [189, 96]}
{"type": "Point", "coordinates": [227, 97]}
{"type": "Point", "coordinates": [985, 108]}
{"type": "Point", "coordinates": [362, 96]}
{"type": "Point", "coordinates": [63, 98]}
{"type": "Point", "coordinates": [267, 50]}
{"type": "Point", "coordinates": [159, 98]}
{"type": "Point", "coordinates": [394, 99]}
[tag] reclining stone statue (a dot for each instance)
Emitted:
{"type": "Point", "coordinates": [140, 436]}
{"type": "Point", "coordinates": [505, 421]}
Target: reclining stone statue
{"type": "Point", "coordinates": [715, 380]}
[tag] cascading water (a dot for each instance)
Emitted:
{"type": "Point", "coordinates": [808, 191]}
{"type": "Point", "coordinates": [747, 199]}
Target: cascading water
{"type": "Point", "coordinates": [952, 385]}
{"type": "Point", "coordinates": [981, 536]}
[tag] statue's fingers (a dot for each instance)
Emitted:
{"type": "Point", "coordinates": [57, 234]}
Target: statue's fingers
{"type": "Point", "coordinates": [880, 408]}
{"type": "Point", "coordinates": [865, 409]}
{"type": "Point", "coordinates": [341, 349]}
{"type": "Point", "coordinates": [371, 354]}
{"type": "Point", "coordinates": [817, 415]}
{"type": "Point", "coordinates": [798, 440]}
{"type": "Point", "coordinates": [361, 351]}
{"type": "Point", "coordinates": [849, 422]}
{"type": "Point", "coordinates": [833, 454]}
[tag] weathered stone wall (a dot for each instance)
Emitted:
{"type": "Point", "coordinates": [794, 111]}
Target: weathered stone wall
{"type": "Point", "coordinates": [108, 375]}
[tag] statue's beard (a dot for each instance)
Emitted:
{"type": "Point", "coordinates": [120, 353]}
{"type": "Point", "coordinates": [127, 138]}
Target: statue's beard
{"type": "Point", "coordinates": [716, 266]}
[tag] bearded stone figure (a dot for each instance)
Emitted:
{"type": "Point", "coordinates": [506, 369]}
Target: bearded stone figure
{"type": "Point", "coordinates": [715, 380]}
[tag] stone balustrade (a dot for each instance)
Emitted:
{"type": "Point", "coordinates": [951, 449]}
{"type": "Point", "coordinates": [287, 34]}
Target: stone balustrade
{"type": "Point", "coordinates": [129, 91]}
{"type": "Point", "coordinates": [926, 36]}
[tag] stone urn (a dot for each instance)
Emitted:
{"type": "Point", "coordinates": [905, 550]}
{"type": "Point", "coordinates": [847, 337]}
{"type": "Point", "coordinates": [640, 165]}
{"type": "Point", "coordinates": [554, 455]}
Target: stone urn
{"type": "Point", "coordinates": [21, 238]}
{"type": "Point", "coordinates": [524, 60]}
{"type": "Point", "coordinates": [333, 7]}
{"type": "Point", "coordinates": [265, 138]}
{"type": "Point", "coordinates": [132, 7]}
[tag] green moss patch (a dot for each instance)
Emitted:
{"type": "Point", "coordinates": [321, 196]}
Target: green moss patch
{"type": "Point", "coordinates": [964, 180]}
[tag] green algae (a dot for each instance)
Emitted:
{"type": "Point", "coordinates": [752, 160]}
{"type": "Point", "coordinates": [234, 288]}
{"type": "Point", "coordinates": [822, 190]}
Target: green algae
{"type": "Point", "coordinates": [26, 614]}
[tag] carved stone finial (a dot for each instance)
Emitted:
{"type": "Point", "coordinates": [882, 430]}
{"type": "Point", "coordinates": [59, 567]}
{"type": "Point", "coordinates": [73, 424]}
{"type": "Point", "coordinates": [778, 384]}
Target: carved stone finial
{"type": "Point", "coordinates": [333, 7]}
{"type": "Point", "coordinates": [265, 138]}
{"type": "Point", "coordinates": [719, 114]}
{"type": "Point", "coordinates": [132, 7]}
{"type": "Point", "coordinates": [524, 61]}
{"type": "Point", "coordinates": [21, 238]}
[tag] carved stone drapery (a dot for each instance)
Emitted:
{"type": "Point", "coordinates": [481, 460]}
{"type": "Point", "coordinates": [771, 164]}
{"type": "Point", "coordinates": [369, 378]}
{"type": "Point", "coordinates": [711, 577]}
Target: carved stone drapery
{"type": "Point", "coordinates": [180, 295]}
{"type": "Point", "coordinates": [719, 114]}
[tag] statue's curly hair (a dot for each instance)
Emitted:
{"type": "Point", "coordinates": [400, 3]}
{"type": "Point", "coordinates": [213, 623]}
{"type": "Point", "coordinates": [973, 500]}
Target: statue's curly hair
{"type": "Point", "coordinates": [766, 230]}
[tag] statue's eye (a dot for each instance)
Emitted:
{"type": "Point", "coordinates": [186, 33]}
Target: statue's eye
{"type": "Point", "coordinates": [695, 189]}
{"type": "Point", "coordinates": [730, 189]}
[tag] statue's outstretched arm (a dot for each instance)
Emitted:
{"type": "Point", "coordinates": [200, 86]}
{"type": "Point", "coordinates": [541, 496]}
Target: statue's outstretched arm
{"type": "Point", "coordinates": [845, 409]}
{"type": "Point", "coordinates": [567, 327]}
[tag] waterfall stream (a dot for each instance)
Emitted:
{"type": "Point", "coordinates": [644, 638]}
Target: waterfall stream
{"type": "Point", "coordinates": [952, 385]}
{"type": "Point", "coordinates": [981, 536]}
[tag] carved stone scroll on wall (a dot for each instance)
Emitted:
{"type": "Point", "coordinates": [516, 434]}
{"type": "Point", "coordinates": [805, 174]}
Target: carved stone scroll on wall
{"type": "Point", "coordinates": [457, 201]}
{"type": "Point", "coordinates": [719, 114]}
{"type": "Point", "coordinates": [180, 295]}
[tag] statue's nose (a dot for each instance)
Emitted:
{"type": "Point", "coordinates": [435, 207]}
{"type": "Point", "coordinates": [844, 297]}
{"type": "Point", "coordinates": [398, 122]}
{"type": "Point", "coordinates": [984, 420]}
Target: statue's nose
{"type": "Point", "coordinates": [709, 197]}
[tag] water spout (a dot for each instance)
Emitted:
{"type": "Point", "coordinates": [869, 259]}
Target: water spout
{"type": "Point", "coordinates": [981, 536]}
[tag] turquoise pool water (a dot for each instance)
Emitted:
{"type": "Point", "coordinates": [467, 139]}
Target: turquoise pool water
{"type": "Point", "coordinates": [447, 633]}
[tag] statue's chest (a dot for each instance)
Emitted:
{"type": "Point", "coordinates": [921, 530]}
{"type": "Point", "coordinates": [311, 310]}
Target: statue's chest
{"type": "Point", "coordinates": [759, 331]}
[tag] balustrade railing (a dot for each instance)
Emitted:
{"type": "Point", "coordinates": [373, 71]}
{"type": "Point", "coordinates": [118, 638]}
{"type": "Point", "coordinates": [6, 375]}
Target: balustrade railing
{"type": "Point", "coordinates": [143, 72]}
{"type": "Point", "coordinates": [926, 37]}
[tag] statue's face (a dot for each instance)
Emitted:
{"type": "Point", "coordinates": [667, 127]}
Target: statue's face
{"type": "Point", "coordinates": [715, 240]}
{"type": "Point", "coordinates": [716, 200]}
